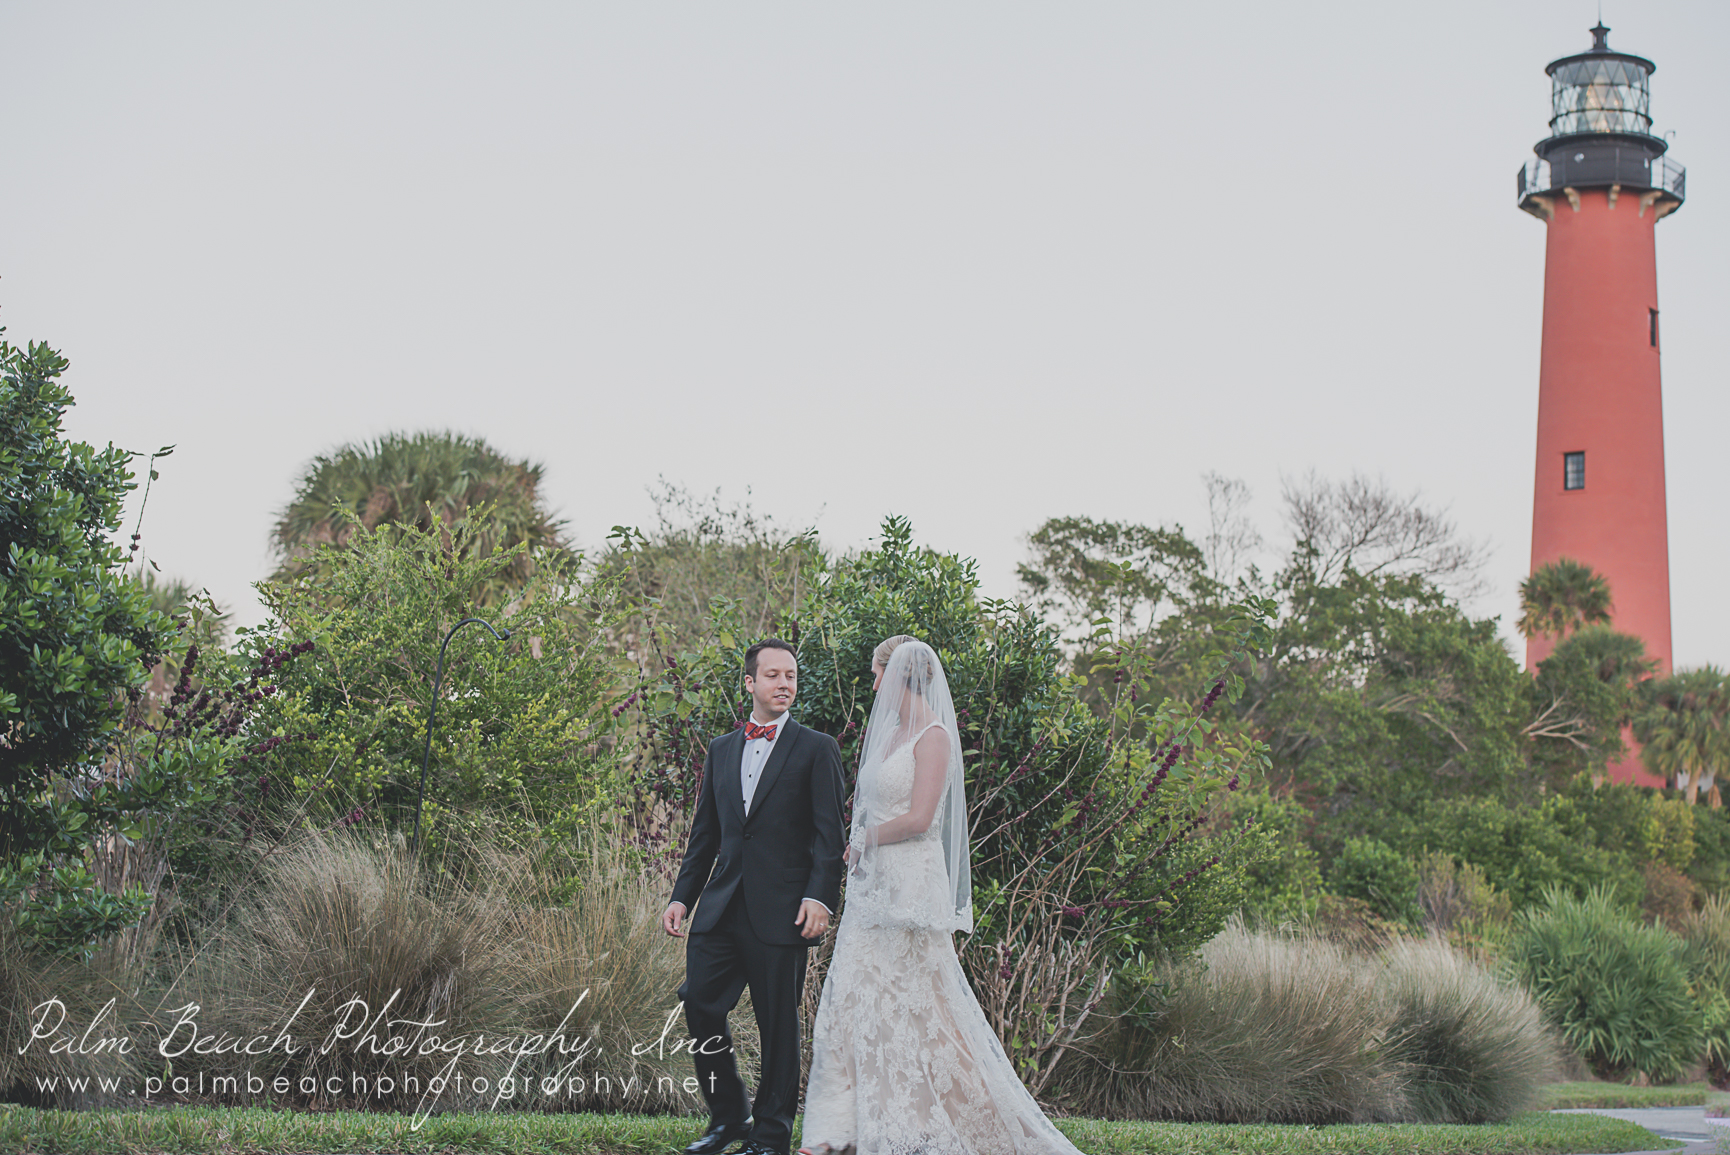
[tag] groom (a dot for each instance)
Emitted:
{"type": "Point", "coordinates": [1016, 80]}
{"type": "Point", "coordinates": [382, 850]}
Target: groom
{"type": "Point", "coordinates": [764, 857]}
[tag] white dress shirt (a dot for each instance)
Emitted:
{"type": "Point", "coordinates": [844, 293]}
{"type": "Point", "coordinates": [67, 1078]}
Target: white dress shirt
{"type": "Point", "coordinates": [756, 756]}
{"type": "Point", "coordinates": [751, 763]}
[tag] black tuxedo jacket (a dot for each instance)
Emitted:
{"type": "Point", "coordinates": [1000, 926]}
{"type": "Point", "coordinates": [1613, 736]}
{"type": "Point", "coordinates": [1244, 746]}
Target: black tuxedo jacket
{"type": "Point", "coordinates": [787, 850]}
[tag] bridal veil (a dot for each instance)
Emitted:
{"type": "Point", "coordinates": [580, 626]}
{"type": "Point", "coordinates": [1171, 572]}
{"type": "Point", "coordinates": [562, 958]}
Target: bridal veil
{"type": "Point", "coordinates": [912, 698]}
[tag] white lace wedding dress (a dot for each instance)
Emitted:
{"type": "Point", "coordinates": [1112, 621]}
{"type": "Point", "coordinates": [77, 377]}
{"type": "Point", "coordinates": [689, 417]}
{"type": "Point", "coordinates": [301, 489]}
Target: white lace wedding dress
{"type": "Point", "coordinates": [903, 1059]}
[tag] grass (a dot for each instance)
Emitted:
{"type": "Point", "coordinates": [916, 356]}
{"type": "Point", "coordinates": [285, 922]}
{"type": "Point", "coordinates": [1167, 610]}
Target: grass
{"type": "Point", "coordinates": [1620, 1096]}
{"type": "Point", "coordinates": [1294, 1029]}
{"type": "Point", "coordinates": [1473, 1049]}
{"type": "Point", "coordinates": [491, 944]}
{"type": "Point", "coordinates": [253, 1131]}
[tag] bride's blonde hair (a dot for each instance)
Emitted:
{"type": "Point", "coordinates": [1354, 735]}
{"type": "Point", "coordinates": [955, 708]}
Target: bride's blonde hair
{"type": "Point", "coordinates": [927, 668]}
{"type": "Point", "coordinates": [880, 656]}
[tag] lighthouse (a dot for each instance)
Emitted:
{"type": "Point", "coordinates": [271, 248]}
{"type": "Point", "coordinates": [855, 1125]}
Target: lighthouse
{"type": "Point", "coordinates": [1600, 182]}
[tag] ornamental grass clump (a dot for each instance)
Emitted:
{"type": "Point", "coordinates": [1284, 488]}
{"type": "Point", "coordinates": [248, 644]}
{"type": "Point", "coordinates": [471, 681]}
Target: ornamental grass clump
{"type": "Point", "coordinates": [593, 957]}
{"type": "Point", "coordinates": [1260, 1028]}
{"type": "Point", "coordinates": [1263, 1027]}
{"type": "Point", "coordinates": [1469, 1047]}
{"type": "Point", "coordinates": [47, 992]}
{"type": "Point", "coordinates": [1617, 990]}
{"type": "Point", "coordinates": [337, 937]}
{"type": "Point", "coordinates": [542, 973]}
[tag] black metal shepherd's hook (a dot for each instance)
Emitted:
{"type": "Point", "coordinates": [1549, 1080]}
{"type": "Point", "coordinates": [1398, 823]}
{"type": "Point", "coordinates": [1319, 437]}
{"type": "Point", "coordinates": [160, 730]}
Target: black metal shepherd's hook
{"type": "Point", "coordinates": [432, 712]}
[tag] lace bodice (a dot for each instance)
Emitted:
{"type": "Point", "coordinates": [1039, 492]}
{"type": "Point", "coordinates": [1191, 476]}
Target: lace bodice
{"type": "Point", "coordinates": [901, 883]}
{"type": "Point", "coordinates": [889, 792]}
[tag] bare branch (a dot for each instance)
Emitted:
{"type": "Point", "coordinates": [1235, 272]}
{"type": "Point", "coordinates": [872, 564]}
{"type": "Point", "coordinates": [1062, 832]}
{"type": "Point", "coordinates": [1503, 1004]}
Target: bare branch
{"type": "Point", "coordinates": [1362, 524]}
{"type": "Point", "coordinates": [1232, 539]}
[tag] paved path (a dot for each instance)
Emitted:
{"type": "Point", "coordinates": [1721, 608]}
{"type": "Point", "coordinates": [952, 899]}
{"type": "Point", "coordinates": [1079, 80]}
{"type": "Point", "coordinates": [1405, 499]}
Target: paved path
{"type": "Point", "coordinates": [1685, 1125]}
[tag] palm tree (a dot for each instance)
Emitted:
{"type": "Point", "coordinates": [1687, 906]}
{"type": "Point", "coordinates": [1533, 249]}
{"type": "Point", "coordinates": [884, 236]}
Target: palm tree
{"type": "Point", "coordinates": [1685, 731]}
{"type": "Point", "coordinates": [1594, 683]}
{"type": "Point", "coordinates": [1561, 597]}
{"type": "Point", "coordinates": [403, 479]}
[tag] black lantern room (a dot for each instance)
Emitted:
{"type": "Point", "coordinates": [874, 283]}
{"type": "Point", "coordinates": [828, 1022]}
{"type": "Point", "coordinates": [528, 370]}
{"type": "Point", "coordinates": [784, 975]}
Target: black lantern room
{"type": "Point", "coordinates": [1601, 134]}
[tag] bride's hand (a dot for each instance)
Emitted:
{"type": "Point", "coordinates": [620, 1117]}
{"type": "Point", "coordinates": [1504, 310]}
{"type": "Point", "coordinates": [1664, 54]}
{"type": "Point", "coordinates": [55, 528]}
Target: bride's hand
{"type": "Point", "coordinates": [847, 855]}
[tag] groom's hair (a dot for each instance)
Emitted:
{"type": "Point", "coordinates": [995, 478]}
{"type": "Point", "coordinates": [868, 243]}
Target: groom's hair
{"type": "Point", "coordinates": [765, 644]}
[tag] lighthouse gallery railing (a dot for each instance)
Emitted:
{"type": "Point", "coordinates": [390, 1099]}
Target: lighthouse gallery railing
{"type": "Point", "coordinates": [1629, 167]}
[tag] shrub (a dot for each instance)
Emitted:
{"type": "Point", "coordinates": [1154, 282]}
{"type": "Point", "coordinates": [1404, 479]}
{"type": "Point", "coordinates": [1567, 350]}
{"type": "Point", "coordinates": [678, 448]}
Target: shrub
{"type": "Point", "coordinates": [1527, 850]}
{"type": "Point", "coordinates": [1667, 831]}
{"type": "Point", "coordinates": [522, 723]}
{"type": "Point", "coordinates": [1616, 989]}
{"type": "Point", "coordinates": [1706, 954]}
{"type": "Point", "coordinates": [1669, 897]}
{"type": "Point", "coordinates": [1285, 885]}
{"type": "Point", "coordinates": [77, 640]}
{"type": "Point", "coordinates": [1470, 1048]}
{"type": "Point", "coordinates": [1462, 905]}
{"type": "Point", "coordinates": [1371, 870]}
{"type": "Point", "coordinates": [1710, 868]}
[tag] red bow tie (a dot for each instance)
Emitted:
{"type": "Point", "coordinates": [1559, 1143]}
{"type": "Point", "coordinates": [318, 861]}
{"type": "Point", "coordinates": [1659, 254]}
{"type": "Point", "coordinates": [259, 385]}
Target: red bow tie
{"type": "Point", "coordinates": [752, 730]}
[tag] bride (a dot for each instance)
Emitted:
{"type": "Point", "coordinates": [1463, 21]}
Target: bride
{"type": "Point", "coordinates": [903, 1059]}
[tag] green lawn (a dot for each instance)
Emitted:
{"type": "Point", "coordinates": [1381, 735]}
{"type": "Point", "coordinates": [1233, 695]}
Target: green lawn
{"type": "Point", "coordinates": [1620, 1095]}
{"type": "Point", "coordinates": [252, 1131]}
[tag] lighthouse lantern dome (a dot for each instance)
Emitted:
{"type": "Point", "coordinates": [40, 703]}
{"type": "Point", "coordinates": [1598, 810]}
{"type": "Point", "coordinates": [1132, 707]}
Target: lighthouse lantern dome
{"type": "Point", "coordinates": [1601, 90]}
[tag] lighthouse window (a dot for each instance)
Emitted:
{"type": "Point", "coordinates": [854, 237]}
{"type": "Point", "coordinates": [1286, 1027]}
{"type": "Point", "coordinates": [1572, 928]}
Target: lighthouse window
{"type": "Point", "coordinates": [1652, 319]}
{"type": "Point", "coordinates": [1573, 471]}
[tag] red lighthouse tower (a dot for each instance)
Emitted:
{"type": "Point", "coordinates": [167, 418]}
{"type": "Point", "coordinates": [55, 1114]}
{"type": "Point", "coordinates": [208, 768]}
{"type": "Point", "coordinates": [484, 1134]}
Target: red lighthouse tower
{"type": "Point", "coordinates": [1600, 183]}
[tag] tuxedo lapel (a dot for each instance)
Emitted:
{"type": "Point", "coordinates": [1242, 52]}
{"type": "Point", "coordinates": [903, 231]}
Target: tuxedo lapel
{"type": "Point", "coordinates": [777, 759]}
{"type": "Point", "coordinates": [732, 789]}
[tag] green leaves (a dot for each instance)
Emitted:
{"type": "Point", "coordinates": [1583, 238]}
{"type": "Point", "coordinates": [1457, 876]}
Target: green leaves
{"type": "Point", "coordinates": [1616, 989]}
{"type": "Point", "coordinates": [75, 634]}
{"type": "Point", "coordinates": [521, 724]}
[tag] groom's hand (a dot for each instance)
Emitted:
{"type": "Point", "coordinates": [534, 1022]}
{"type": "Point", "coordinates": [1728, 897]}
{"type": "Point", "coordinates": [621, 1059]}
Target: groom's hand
{"type": "Point", "coordinates": [673, 919]}
{"type": "Point", "coordinates": [812, 917]}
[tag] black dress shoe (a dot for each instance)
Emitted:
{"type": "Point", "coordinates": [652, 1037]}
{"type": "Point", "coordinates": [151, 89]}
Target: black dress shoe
{"type": "Point", "coordinates": [756, 1148]}
{"type": "Point", "coordinates": [719, 1137]}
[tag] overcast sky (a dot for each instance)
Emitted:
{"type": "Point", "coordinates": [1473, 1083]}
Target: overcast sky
{"type": "Point", "coordinates": [981, 264]}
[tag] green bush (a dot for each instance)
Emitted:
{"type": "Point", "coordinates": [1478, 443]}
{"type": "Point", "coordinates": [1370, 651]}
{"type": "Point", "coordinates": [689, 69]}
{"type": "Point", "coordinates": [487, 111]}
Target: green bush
{"type": "Point", "coordinates": [75, 632]}
{"type": "Point", "coordinates": [1462, 905]}
{"type": "Point", "coordinates": [1285, 884]}
{"type": "Point", "coordinates": [1371, 870]}
{"type": "Point", "coordinates": [1617, 990]}
{"type": "Point", "coordinates": [522, 735]}
{"type": "Point", "coordinates": [1706, 954]}
{"type": "Point", "coordinates": [77, 640]}
{"type": "Point", "coordinates": [1470, 1048]}
{"type": "Point", "coordinates": [1526, 850]}
{"type": "Point", "coordinates": [1710, 868]}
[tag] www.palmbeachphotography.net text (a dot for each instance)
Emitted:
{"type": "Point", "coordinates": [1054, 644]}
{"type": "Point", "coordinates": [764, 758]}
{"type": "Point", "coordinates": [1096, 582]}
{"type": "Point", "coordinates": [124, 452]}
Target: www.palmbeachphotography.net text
{"type": "Point", "coordinates": [359, 1030]}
